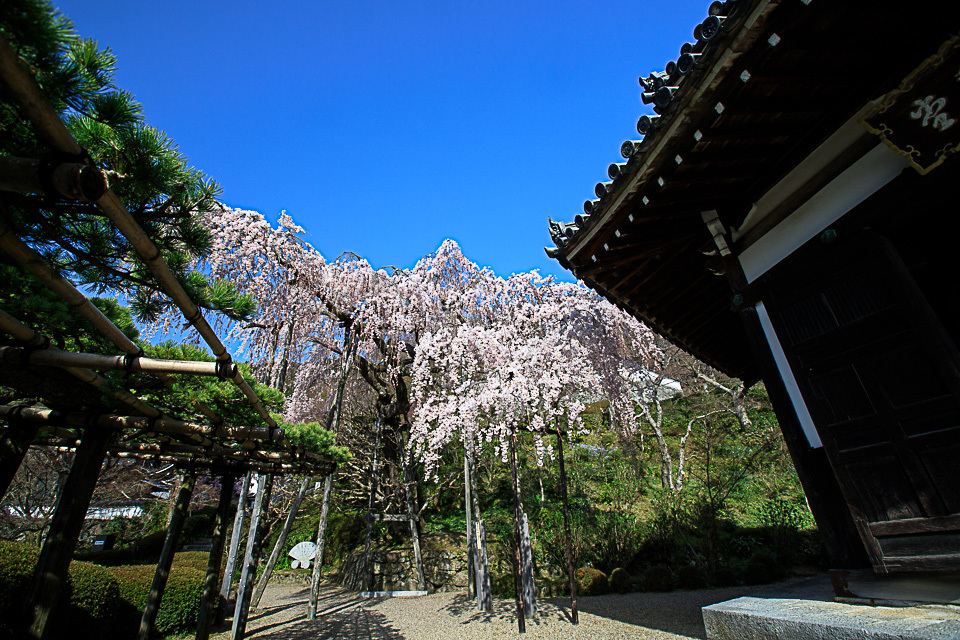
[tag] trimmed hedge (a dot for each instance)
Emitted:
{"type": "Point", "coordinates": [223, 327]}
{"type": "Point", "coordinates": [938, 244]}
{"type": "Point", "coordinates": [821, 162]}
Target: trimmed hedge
{"type": "Point", "coordinates": [657, 577]}
{"type": "Point", "coordinates": [620, 581]}
{"type": "Point", "coordinates": [179, 608]}
{"type": "Point", "coordinates": [17, 561]}
{"type": "Point", "coordinates": [591, 582]}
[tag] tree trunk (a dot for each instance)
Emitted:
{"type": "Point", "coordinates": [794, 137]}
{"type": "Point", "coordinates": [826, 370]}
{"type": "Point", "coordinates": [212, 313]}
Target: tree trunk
{"type": "Point", "coordinates": [574, 615]}
{"type": "Point", "coordinates": [521, 623]}
{"type": "Point", "coordinates": [182, 504]}
{"type": "Point", "coordinates": [471, 579]}
{"type": "Point", "coordinates": [281, 540]}
{"type": "Point", "coordinates": [207, 609]}
{"type": "Point", "coordinates": [414, 524]}
{"type": "Point", "coordinates": [367, 565]}
{"type": "Point", "coordinates": [321, 539]}
{"type": "Point", "coordinates": [252, 556]}
{"type": "Point", "coordinates": [50, 575]}
{"type": "Point", "coordinates": [228, 572]}
{"type": "Point", "coordinates": [526, 569]}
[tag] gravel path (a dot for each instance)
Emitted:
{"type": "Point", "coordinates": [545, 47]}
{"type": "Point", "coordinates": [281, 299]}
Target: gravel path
{"type": "Point", "coordinates": [653, 616]}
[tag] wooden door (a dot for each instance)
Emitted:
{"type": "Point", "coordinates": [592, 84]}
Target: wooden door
{"type": "Point", "coordinates": [881, 379]}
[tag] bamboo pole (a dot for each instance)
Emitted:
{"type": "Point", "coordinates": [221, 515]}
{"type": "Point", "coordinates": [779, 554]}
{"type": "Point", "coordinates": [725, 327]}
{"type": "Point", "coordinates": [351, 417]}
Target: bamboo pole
{"type": "Point", "coordinates": [252, 556]}
{"type": "Point", "coordinates": [281, 540]}
{"type": "Point", "coordinates": [50, 128]}
{"type": "Point", "coordinates": [175, 527]}
{"type": "Point", "coordinates": [234, 547]}
{"type": "Point", "coordinates": [50, 575]}
{"type": "Point", "coordinates": [71, 180]}
{"type": "Point", "coordinates": [574, 615]}
{"type": "Point", "coordinates": [207, 609]}
{"type": "Point", "coordinates": [133, 364]}
{"type": "Point", "coordinates": [521, 623]}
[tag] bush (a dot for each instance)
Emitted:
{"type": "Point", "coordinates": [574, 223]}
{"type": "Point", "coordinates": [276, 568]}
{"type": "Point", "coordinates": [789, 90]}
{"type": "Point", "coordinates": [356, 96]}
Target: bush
{"type": "Point", "coordinates": [17, 561]}
{"type": "Point", "coordinates": [94, 599]}
{"type": "Point", "coordinates": [591, 582]}
{"type": "Point", "coordinates": [724, 576]}
{"type": "Point", "coordinates": [192, 560]}
{"type": "Point", "coordinates": [657, 577]}
{"type": "Point", "coordinates": [690, 577]}
{"type": "Point", "coordinates": [620, 581]}
{"type": "Point", "coordinates": [504, 585]}
{"type": "Point", "coordinates": [179, 608]}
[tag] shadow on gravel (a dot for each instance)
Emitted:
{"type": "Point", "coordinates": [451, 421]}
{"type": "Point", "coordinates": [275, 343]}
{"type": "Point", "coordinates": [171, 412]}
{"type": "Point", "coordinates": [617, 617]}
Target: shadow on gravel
{"type": "Point", "coordinates": [463, 606]}
{"type": "Point", "coordinates": [678, 612]}
{"type": "Point", "coordinates": [355, 623]}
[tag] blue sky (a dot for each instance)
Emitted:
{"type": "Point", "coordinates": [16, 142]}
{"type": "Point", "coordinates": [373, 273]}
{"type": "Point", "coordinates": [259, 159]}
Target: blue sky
{"type": "Point", "coordinates": [383, 128]}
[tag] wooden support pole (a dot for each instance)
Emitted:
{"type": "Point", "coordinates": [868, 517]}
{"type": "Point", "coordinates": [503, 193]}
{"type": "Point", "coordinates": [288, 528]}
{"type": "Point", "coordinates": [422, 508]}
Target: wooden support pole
{"type": "Point", "coordinates": [281, 540]}
{"type": "Point", "coordinates": [574, 615]}
{"type": "Point", "coordinates": [471, 578]}
{"type": "Point", "coordinates": [207, 600]}
{"type": "Point", "coordinates": [484, 592]}
{"type": "Point", "coordinates": [227, 581]}
{"type": "Point", "coordinates": [321, 538]}
{"type": "Point", "coordinates": [50, 575]}
{"type": "Point", "coordinates": [414, 523]}
{"type": "Point", "coordinates": [521, 623]}
{"type": "Point", "coordinates": [13, 448]}
{"type": "Point", "coordinates": [252, 557]}
{"type": "Point", "coordinates": [526, 569]}
{"type": "Point", "coordinates": [350, 339]}
{"type": "Point", "coordinates": [170, 543]}
{"type": "Point", "coordinates": [367, 565]}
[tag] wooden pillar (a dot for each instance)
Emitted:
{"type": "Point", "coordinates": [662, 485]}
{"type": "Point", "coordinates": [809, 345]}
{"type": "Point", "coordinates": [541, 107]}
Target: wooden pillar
{"type": "Point", "coordinates": [526, 569]}
{"type": "Point", "coordinates": [471, 578]}
{"type": "Point", "coordinates": [207, 609]}
{"type": "Point", "coordinates": [228, 572]}
{"type": "Point", "coordinates": [252, 556]}
{"type": "Point", "coordinates": [414, 523]}
{"type": "Point", "coordinates": [170, 543]}
{"type": "Point", "coordinates": [367, 565]}
{"type": "Point", "coordinates": [13, 448]}
{"type": "Point", "coordinates": [521, 623]}
{"type": "Point", "coordinates": [50, 575]}
{"type": "Point", "coordinates": [281, 540]}
{"type": "Point", "coordinates": [574, 615]}
{"type": "Point", "coordinates": [484, 592]}
{"type": "Point", "coordinates": [321, 538]}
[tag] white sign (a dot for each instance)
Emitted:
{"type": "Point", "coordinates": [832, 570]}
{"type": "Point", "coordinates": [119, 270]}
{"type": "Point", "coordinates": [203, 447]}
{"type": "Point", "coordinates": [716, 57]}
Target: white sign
{"type": "Point", "coordinates": [302, 554]}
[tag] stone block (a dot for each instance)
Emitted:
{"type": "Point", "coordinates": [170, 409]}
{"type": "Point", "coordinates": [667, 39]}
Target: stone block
{"type": "Point", "coordinates": [778, 618]}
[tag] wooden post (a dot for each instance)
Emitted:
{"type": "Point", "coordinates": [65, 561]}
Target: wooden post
{"type": "Point", "coordinates": [282, 540]}
{"type": "Point", "coordinates": [521, 623]}
{"type": "Point", "coordinates": [350, 340]}
{"type": "Point", "coordinates": [149, 619]}
{"type": "Point", "coordinates": [207, 609]}
{"type": "Point", "coordinates": [526, 569]}
{"type": "Point", "coordinates": [252, 556]}
{"type": "Point", "coordinates": [227, 582]}
{"type": "Point", "coordinates": [484, 592]}
{"type": "Point", "coordinates": [471, 578]}
{"type": "Point", "coordinates": [50, 575]}
{"type": "Point", "coordinates": [414, 524]}
{"type": "Point", "coordinates": [321, 537]}
{"type": "Point", "coordinates": [574, 615]}
{"type": "Point", "coordinates": [367, 565]}
{"type": "Point", "coordinates": [13, 448]}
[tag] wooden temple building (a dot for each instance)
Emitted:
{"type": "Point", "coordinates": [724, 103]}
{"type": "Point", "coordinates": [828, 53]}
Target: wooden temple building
{"type": "Point", "coordinates": [788, 214]}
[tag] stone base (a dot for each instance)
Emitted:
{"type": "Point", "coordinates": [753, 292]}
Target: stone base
{"type": "Point", "coordinates": [776, 619]}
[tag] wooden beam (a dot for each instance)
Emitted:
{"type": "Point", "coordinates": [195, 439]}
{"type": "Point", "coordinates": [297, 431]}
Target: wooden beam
{"type": "Point", "coordinates": [170, 543]}
{"type": "Point", "coordinates": [50, 575]}
{"type": "Point", "coordinates": [207, 600]}
{"type": "Point", "coordinates": [95, 361]}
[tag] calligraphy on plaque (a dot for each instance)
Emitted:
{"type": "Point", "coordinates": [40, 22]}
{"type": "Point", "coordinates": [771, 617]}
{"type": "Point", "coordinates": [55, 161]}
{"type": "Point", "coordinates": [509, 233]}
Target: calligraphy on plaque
{"type": "Point", "coordinates": [920, 119]}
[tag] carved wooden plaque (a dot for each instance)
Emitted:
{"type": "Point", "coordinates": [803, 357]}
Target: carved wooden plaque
{"type": "Point", "coordinates": [919, 119]}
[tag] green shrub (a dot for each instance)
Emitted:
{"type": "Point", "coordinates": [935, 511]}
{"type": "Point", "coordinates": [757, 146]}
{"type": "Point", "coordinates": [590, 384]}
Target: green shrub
{"type": "Point", "coordinates": [179, 608]}
{"type": "Point", "coordinates": [724, 576]}
{"type": "Point", "coordinates": [690, 577]}
{"type": "Point", "coordinates": [591, 582]}
{"type": "Point", "coordinates": [657, 577]}
{"type": "Point", "coordinates": [17, 561]}
{"type": "Point", "coordinates": [192, 560]}
{"type": "Point", "coordinates": [756, 573]}
{"type": "Point", "coordinates": [94, 599]}
{"type": "Point", "coordinates": [620, 581]}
